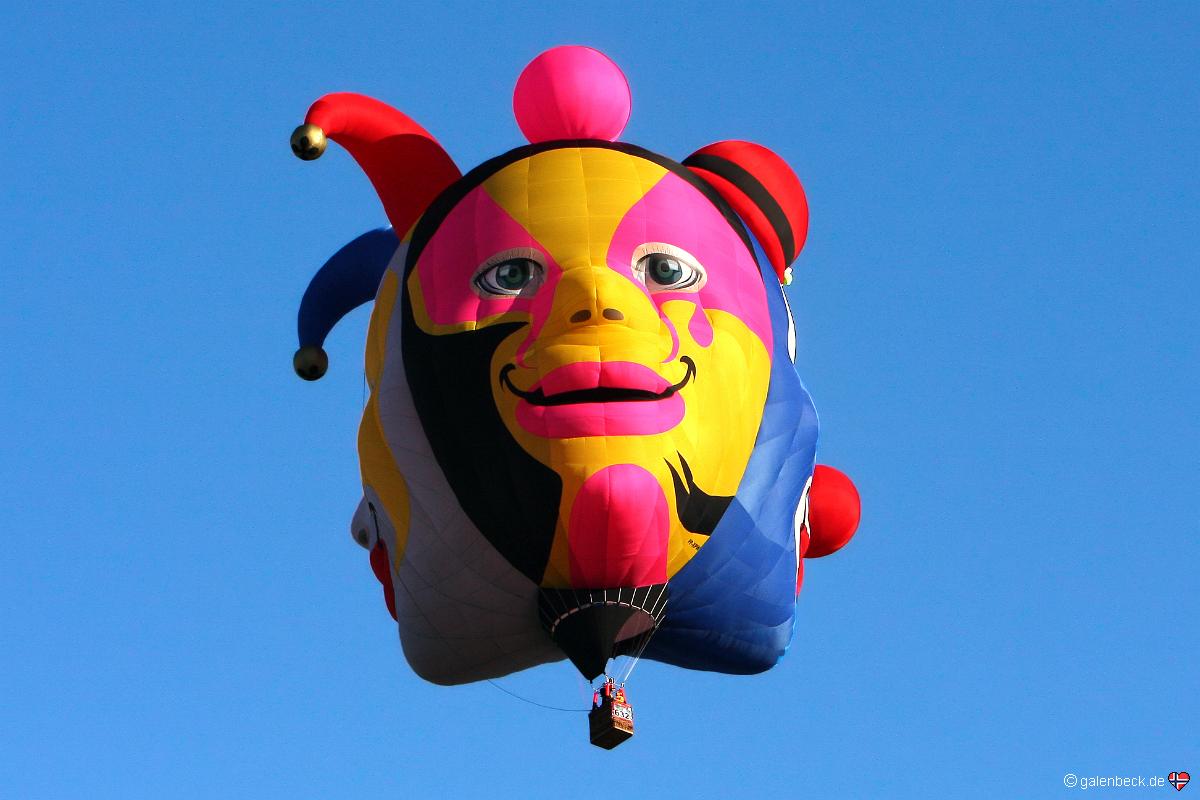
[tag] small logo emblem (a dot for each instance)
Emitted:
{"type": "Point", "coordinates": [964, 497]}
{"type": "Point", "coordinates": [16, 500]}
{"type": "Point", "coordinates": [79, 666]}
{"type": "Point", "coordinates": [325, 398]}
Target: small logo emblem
{"type": "Point", "coordinates": [1178, 780]}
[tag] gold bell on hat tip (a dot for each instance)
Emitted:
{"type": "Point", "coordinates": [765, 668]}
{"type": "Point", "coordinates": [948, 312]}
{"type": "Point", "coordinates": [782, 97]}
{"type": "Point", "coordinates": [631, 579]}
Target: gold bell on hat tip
{"type": "Point", "coordinates": [308, 142]}
{"type": "Point", "coordinates": [310, 362]}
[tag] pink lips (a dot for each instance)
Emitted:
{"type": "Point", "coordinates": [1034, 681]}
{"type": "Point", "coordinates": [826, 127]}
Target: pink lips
{"type": "Point", "coordinates": [615, 418]}
{"type": "Point", "coordinates": [606, 374]}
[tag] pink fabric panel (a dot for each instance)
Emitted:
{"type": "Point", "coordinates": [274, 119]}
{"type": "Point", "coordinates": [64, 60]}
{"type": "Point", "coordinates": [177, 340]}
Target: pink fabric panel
{"type": "Point", "coordinates": [609, 374]}
{"type": "Point", "coordinates": [476, 229]}
{"type": "Point", "coordinates": [571, 421]}
{"type": "Point", "coordinates": [571, 92]}
{"type": "Point", "coordinates": [674, 212]}
{"type": "Point", "coordinates": [619, 529]}
{"type": "Point", "coordinates": [700, 328]}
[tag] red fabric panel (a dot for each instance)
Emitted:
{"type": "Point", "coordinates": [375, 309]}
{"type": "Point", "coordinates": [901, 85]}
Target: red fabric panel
{"type": "Point", "coordinates": [834, 510]}
{"type": "Point", "coordinates": [754, 218]}
{"type": "Point", "coordinates": [380, 565]}
{"type": "Point", "coordinates": [774, 174]}
{"type": "Point", "coordinates": [406, 165]}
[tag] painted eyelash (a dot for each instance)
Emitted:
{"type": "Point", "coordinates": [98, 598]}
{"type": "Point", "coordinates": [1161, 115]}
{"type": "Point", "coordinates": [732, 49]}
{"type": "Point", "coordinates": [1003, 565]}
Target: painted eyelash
{"type": "Point", "coordinates": [662, 248]}
{"type": "Point", "coordinates": [665, 249]}
{"type": "Point", "coordinates": [531, 253]}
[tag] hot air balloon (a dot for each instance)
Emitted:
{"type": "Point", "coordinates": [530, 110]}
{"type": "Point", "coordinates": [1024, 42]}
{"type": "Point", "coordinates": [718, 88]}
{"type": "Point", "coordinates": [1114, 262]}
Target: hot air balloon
{"type": "Point", "coordinates": [586, 436]}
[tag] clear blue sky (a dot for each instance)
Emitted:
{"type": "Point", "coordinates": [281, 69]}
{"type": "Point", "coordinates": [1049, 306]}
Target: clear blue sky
{"type": "Point", "coordinates": [997, 311]}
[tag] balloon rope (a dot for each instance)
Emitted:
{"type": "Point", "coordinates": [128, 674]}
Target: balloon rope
{"type": "Point", "coordinates": [534, 702]}
{"type": "Point", "coordinates": [638, 655]}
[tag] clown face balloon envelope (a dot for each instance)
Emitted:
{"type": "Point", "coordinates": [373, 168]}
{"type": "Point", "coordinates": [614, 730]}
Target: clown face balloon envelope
{"type": "Point", "coordinates": [585, 435]}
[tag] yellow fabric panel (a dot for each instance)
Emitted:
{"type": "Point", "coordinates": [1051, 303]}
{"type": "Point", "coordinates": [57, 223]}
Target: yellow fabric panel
{"type": "Point", "coordinates": [379, 471]}
{"type": "Point", "coordinates": [376, 463]}
{"type": "Point", "coordinates": [385, 300]}
{"type": "Point", "coordinates": [571, 200]}
{"type": "Point", "coordinates": [717, 452]}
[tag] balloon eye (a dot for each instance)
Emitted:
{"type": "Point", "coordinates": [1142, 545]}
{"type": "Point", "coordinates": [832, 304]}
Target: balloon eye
{"type": "Point", "coordinates": [664, 270]}
{"type": "Point", "coordinates": [509, 278]}
{"type": "Point", "coordinates": [667, 272]}
{"type": "Point", "coordinates": [513, 275]}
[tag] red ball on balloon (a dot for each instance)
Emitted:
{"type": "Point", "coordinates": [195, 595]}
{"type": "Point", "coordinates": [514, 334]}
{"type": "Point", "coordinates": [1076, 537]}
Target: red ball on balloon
{"type": "Point", "coordinates": [834, 510]}
{"type": "Point", "coordinates": [571, 92]}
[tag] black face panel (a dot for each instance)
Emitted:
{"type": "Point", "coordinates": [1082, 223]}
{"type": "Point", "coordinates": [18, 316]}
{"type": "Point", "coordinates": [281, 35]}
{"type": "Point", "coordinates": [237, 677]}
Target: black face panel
{"type": "Point", "coordinates": [511, 497]}
{"type": "Point", "coordinates": [699, 512]}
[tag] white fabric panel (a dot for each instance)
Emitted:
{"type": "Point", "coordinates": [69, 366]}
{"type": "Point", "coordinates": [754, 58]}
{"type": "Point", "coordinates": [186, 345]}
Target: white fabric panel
{"type": "Point", "coordinates": [791, 334]}
{"type": "Point", "coordinates": [464, 613]}
{"type": "Point", "coordinates": [800, 518]}
{"type": "Point", "coordinates": [362, 525]}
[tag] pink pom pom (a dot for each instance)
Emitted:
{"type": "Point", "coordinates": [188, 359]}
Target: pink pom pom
{"type": "Point", "coordinates": [571, 92]}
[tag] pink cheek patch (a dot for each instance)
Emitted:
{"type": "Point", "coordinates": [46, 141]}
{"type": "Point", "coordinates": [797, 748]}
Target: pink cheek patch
{"type": "Point", "coordinates": [675, 212]}
{"type": "Point", "coordinates": [476, 229]}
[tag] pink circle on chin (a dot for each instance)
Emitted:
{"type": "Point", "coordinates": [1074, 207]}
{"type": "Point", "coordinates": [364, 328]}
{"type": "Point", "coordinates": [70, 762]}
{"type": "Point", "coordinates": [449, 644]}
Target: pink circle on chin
{"type": "Point", "coordinates": [619, 530]}
{"type": "Point", "coordinates": [571, 92]}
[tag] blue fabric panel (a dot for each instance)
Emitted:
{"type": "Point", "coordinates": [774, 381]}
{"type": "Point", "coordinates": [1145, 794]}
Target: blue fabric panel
{"type": "Point", "coordinates": [732, 608]}
{"type": "Point", "coordinates": [347, 280]}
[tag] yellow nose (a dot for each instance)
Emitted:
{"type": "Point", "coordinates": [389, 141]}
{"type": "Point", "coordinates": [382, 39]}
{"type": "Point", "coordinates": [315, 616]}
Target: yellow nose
{"type": "Point", "coordinates": [590, 297]}
{"type": "Point", "coordinates": [599, 315]}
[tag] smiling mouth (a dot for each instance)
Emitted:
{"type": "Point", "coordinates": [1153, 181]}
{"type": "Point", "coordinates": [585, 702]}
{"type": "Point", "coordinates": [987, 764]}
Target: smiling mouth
{"type": "Point", "coordinates": [601, 394]}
